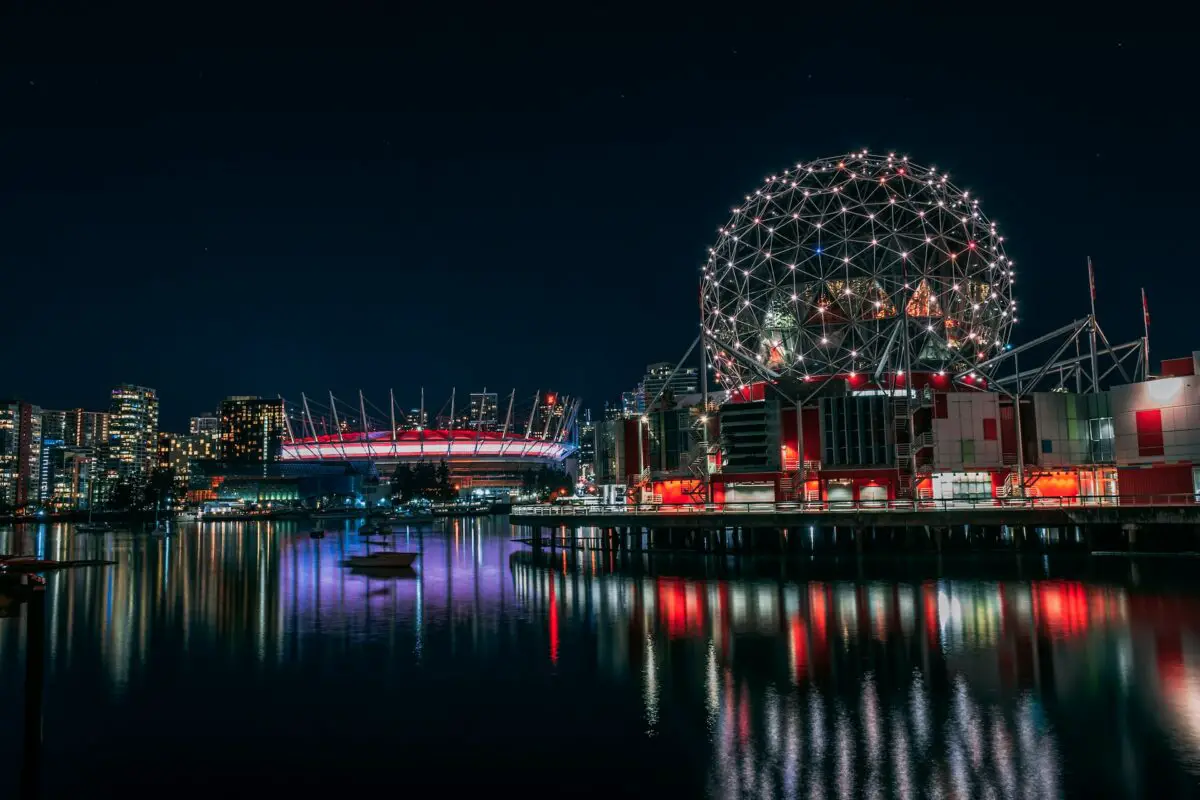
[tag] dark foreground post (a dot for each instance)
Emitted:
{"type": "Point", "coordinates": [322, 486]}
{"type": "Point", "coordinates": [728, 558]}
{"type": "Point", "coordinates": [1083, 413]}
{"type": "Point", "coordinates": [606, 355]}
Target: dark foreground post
{"type": "Point", "coordinates": [35, 670]}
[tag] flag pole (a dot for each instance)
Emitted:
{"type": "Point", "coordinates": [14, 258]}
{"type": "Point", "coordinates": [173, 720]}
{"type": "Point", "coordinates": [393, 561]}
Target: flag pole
{"type": "Point", "coordinates": [1145, 337]}
{"type": "Point", "coordinates": [1092, 327]}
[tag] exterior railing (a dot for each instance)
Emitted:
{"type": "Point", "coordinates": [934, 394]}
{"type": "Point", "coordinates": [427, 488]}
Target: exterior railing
{"type": "Point", "coordinates": [844, 506]}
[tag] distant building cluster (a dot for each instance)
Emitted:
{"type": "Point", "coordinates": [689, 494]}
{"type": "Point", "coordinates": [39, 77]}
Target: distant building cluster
{"type": "Point", "coordinates": [661, 385]}
{"type": "Point", "coordinates": [76, 459]}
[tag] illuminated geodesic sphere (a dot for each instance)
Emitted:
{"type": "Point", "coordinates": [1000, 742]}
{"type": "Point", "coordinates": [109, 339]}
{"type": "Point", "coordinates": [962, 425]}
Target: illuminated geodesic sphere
{"type": "Point", "coordinates": [853, 265]}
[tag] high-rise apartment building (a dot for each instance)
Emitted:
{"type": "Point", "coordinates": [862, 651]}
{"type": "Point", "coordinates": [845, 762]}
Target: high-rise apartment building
{"type": "Point", "coordinates": [70, 471]}
{"type": "Point", "coordinates": [415, 419]}
{"type": "Point", "coordinates": [633, 404]}
{"type": "Point", "coordinates": [547, 416]}
{"type": "Point", "coordinates": [587, 448]}
{"type": "Point", "coordinates": [686, 380]}
{"type": "Point", "coordinates": [86, 428]}
{"type": "Point", "coordinates": [130, 449]}
{"type": "Point", "coordinates": [484, 411]}
{"type": "Point", "coordinates": [76, 427]}
{"type": "Point", "coordinates": [205, 423]}
{"type": "Point", "coordinates": [251, 430]}
{"type": "Point", "coordinates": [20, 453]}
{"type": "Point", "coordinates": [54, 425]}
{"type": "Point", "coordinates": [182, 454]}
{"type": "Point", "coordinates": [48, 448]}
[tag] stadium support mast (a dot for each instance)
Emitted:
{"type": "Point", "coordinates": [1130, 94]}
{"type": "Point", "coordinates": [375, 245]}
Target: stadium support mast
{"type": "Point", "coordinates": [392, 411]}
{"type": "Point", "coordinates": [532, 414]}
{"type": "Point", "coordinates": [508, 417]}
{"type": "Point", "coordinates": [311, 426]}
{"type": "Point", "coordinates": [337, 425]}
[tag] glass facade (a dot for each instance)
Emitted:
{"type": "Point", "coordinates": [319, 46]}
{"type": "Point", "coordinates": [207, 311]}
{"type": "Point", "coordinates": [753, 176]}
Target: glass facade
{"type": "Point", "coordinates": [130, 448]}
{"type": "Point", "coordinates": [20, 454]}
{"type": "Point", "coordinates": [251, 430]}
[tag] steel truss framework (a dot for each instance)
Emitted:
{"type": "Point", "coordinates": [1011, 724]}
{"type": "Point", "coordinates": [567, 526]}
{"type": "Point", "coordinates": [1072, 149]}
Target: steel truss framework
{"type": "Point", "coordinates": [851, 264]}
{"type": "Point", "coordinates": [1087, 368]}
{"type": "Point", "coordinates": [341, 431]}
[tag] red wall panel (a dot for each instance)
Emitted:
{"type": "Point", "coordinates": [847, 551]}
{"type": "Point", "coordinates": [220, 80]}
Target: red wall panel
{"type": "Point", "coordinates": [1177, 367]}
{"type": "Point", "coordinates": [1149, 432]}
{"type": "Point", "coordinates": [1171, 479]}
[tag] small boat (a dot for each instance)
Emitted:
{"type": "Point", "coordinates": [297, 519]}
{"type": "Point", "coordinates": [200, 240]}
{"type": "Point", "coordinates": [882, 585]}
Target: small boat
{"type": "Point", "coordinates": [382, 528]}
{"type": "Point", "coordinates": [158, 530]}
{"type": "Point", "coordinates": [383, 559]}
{"type": "Point", "coordinates": [93, 527]}
{"type": "Point", "coordinates": [317, 533]}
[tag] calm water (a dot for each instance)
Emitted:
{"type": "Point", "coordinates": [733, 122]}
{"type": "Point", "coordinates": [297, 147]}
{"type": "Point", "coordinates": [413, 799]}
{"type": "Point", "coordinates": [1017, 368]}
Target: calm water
{"type": "Point", "coordinates": [242, 658]}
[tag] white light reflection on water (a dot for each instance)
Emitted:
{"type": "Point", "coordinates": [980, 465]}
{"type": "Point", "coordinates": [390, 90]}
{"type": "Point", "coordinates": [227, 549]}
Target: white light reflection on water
{"type": "Point", "coordinates": [900, 689]}
{"type": "Point", "coordinates": [650, 687]}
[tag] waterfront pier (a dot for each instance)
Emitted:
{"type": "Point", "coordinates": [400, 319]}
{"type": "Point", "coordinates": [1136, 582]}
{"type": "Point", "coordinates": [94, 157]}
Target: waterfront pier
{"type": "Point", "coordinates": [1163, 523]}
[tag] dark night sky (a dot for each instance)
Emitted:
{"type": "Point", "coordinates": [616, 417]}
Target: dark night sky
{"type": "Point", "coordinates": [518, 209]}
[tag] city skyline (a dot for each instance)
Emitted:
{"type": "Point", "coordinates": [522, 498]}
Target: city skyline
{"type": "Point", "coordinates": [213, 180]}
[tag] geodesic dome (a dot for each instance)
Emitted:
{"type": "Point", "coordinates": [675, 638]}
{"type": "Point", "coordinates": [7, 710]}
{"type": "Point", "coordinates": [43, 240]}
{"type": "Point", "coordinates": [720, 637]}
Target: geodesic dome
{"type": "Point", "coordinates": [855, 264]}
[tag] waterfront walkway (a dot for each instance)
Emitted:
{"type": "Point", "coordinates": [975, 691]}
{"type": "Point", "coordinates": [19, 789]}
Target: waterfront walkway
{"type": "Point", "coordinates": [1039, 511]}
{"type": "Point", "coordinates": [1168, 521]}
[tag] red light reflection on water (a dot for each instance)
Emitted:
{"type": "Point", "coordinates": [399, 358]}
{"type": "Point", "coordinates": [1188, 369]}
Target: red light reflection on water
{"type": "Point", "coordinates": [553, 620]}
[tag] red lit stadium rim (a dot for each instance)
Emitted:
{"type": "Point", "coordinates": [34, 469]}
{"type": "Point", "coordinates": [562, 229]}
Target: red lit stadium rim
{"type": "Point", "coordinates": [428, 444]}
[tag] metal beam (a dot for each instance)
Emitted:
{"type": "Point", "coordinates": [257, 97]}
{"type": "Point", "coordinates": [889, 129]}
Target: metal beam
{"type": "Point", "coordinates": [1116, 361]}
{"type": "Point", "coordinates": [1073, 328]}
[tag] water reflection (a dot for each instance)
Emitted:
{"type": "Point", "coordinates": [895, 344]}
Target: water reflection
{"type": "Point", "coordinates": [736, 685]}
{"type": "Point", "coordinates": [931, 688]}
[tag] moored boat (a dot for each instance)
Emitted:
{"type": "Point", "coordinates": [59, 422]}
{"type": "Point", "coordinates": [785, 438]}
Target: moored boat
{"type": "Point", "coordinates": [383, 559]}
